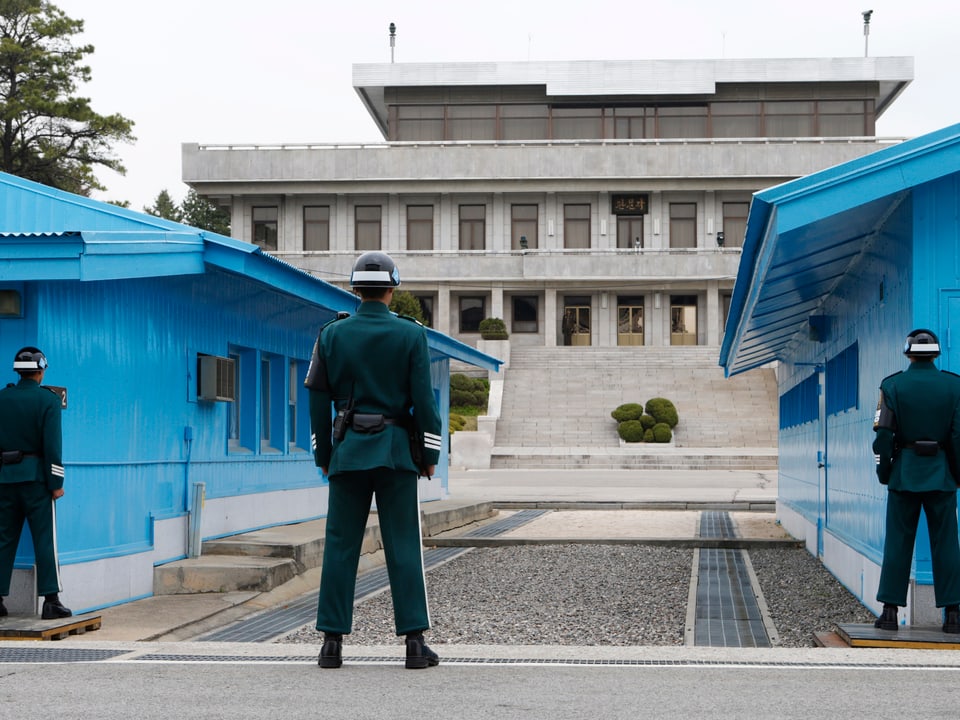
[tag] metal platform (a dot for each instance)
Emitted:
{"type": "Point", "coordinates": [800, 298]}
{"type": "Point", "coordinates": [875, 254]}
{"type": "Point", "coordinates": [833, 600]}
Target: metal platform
{"type": "Point", "coordinates": [923, 637]}
{"type": "Point", "coordinates": [31, 627]}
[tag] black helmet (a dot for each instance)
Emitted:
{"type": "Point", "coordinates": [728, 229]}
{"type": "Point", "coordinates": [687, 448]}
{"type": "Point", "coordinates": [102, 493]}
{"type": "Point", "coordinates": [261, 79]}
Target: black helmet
{"type": "Point", "coordinates": [374, 269]}
{"type": "Point", "coordinates": [922, 343]}
{"type": "Point", "coordinates": [29, 360]}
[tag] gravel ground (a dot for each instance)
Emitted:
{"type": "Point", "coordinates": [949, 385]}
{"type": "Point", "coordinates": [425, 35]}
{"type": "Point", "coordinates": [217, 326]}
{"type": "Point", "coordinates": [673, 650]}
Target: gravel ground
{"type": "Point", "coordinates": [597, 595]}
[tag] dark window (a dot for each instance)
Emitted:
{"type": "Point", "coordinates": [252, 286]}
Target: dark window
{"type": "Point", "coordinates": [576, 226]}
{"type": "Point", "coordinates": [525, 314]}
{"type": "Point", "coordinates": [472, 311]}
{"type": "Point", "coordinates": [316, 227]}
{"type": "Point", "coordinates": [419, 122]}
{"type": "Point", "coordinates": [472, 227]}
{"type": "Point", "coordinates": [472, 122]}
{"type": "Point", "coordinates": [788, 119]}
{"type": "Point", "coordinates": [733, 119]}
{"type": "Point", "coordinates": [682, 122]}
{"type": "Point", "coordinates": [523, 224]}
{"type": "Point", "coordinates": [426, 307]}
{"type": "Point", "coordinates": [577, 123]}
{"type": "Point", "coordinates": [419, 227]}
{"type": "Point", "coordinates": [524, 122]}
{"type": "Point", "coordinates": [265, 227]}
{"type": "Point", "coordinates": [368, 227]}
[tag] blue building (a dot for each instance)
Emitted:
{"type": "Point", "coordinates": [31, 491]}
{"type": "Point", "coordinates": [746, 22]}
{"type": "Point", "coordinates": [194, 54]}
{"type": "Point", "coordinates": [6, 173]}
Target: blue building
{"type": "Point", "coordinates": [183, 355]}
{"type": "Point", "coordinates": [837, 268]}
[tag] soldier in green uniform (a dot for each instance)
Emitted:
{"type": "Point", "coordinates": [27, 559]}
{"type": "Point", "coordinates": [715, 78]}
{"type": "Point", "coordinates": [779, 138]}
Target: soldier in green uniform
{"type": "Point", "coordinates": [373, 370]}
{"type": "Point", "coordinates": [31, 477]}
{"type": "Point", "coordinates": [917, 442]}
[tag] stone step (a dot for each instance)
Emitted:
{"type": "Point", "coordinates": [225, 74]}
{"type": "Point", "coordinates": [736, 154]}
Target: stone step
{"type": "Point", "coordinates": [261, 560]}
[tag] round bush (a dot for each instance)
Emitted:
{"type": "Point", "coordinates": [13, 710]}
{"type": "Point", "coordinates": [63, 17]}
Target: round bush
{"type": "Point", "coordinates": [457, 422]}
{"type": "Point", "coordinates": [647, 421]}
{"type": "Point", "coordinates": [493, 329]}
{"type": "Point", "coordinates": [459, 398]}
{"type": "Point", "coordinates": [661, 433]}
{"type": "Point", "coordinates": [628, 411]}
{"type": "Point", "coordinates": [648, 435]}
{"type": "Point", "coordinates": [459, 381]}
{"type": "Point", "coordinates": [630, 430]}
{"type": "Point", "coordinates": [663, 411]}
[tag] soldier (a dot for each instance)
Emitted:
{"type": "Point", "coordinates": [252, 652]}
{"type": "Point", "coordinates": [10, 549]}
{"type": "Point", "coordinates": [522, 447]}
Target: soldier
{"type": "Point", "coordinates": [31, 477]}
{"type": "Point", "coordinates": [917, 441]}
{"type": "Point", "coordinates": [374, 368]}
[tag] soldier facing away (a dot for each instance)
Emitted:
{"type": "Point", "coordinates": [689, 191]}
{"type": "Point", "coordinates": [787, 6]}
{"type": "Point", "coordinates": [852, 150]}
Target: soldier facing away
{"type": "Point", "coordinates": [373, 369]}
{"type": "Point", "coordinates": [917, 442]}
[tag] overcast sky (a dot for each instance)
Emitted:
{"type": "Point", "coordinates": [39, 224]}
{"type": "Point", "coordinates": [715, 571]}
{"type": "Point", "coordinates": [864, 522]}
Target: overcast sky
{"type": "Point", "coordinates": [221, 71]}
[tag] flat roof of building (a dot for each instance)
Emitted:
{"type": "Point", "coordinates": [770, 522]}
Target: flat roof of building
{"type": "Point", "coordinates": [598, 78]}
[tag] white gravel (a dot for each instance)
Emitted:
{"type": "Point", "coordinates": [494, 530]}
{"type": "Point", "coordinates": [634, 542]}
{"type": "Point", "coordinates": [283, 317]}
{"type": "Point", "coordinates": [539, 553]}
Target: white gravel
{"type": "Point", "coordinates": [597, 595]}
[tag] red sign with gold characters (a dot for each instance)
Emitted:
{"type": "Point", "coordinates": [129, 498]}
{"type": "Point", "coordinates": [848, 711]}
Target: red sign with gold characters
{"type": "Point", "coordinates": [629, 204]}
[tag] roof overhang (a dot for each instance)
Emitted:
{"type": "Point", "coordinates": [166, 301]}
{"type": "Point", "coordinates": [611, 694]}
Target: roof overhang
{"type": "Point", "coordinates": [804, 236]}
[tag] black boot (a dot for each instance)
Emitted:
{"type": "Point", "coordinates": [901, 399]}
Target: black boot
{"type": "Point", "coordinates": [418, 654]}
{"type": "Point", "coordinates": [888, 618]}
{"type": "Point", "coordinates": [331, 654]}
{"type": "Point", "coordinates": [53, 609]}
{"type": "Point", "coordinates": [951, 619]}
{"type": "Point", "coordinates": [3, 609]}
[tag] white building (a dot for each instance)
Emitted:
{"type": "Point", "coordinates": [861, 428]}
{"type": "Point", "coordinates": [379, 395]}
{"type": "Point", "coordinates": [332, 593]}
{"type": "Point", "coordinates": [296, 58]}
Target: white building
{"type": "Point", "coordinates": [585, 203]}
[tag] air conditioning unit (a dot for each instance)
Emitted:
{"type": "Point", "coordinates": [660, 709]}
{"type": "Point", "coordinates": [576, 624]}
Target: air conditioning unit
{"type": "Point", "coordinates": [216, 378]}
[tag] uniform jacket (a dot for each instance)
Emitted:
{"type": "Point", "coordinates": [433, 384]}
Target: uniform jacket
{"type": "Point", "coordinates": [30, 422]}
{"type": "Point", "coordinates": [384, 362]}
{"type": "Point", "coordinates": [926, 406]}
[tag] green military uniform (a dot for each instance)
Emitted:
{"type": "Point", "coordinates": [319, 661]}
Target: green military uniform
{"type": "Point", "coordinates": [382, 364]}
{"type": "Point", "coordinates": [30, 423]}
{"type": "Point", "coordinates": [924, 405]}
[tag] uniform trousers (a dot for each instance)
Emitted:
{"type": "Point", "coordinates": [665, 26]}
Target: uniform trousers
{"type": "Point", "coordinates": [33, 503]}
{"type": "Point", "coordinates": [398, 510]}
{"type": "Point", "coordinates": [903, 515]}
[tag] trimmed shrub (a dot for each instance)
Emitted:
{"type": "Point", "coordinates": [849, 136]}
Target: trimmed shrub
{"type": "Point", "coordinates": [493, 329]}
{"type": "Point", "coordinates": [663, 411]}
{"type": "Point", "coordinates": [627, 411]}
{"type": "Point", "coordinates": [467, 391]}
{"type": "Point", "coordinates": [661, 433]}
{"type": "Point", "coordinates": [648, 435]}
{"type": "Point", "coordinates": [647, 421]}
{"type": "Point", "coordinates": [457, 422]}
{"type": "Point", "coordinates": [630, 430]}
{"type": "Point", "coordinates": [459, 398]}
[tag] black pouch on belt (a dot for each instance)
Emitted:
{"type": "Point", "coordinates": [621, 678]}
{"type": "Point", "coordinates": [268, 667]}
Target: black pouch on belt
{"type": "Point", "coordinates": [368, 423]}
{"type": "Point", "coordinates": [926, 448]}
{"type": "Point", "coordinates": [11, 457]}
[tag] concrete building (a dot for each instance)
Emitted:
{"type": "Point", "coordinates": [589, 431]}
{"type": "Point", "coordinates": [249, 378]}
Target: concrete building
{"type": "Point", "coordinates": [181, 355]}
{"type": "Point", "coordinates": [838, 267]}
{"type": "Point", "coordinates": [586, 203]}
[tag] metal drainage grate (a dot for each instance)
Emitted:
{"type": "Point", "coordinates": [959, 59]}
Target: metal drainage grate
{"type": "Point", "coordinates": [272, 623]}
{"type": "Point", "coordinates": [56, 655]}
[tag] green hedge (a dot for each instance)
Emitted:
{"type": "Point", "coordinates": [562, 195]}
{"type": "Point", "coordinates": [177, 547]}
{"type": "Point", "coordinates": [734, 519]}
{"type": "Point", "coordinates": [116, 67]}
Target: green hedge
{"type": "Point", "coordinates": [630, 430]}
{"type": "Point", "coordinates": [627, 411]}
{"type": "Point", "coordinates": [663, 411]}
{"type": "Point", "coordinates": [650, 423]}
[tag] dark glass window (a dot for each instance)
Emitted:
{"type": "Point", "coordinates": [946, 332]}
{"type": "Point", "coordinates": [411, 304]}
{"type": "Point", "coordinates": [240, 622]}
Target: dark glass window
{"type": "Point", "coordinates": [472, 312]}
{"type": "Point", "coordinates": [525, 314]}
{"type": "Point", "coordinates": [265, 227]}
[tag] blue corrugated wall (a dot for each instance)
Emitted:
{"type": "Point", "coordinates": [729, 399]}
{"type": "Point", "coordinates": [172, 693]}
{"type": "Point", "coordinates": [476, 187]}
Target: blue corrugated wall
{"type": "Point", "coordinates": [908, 277]}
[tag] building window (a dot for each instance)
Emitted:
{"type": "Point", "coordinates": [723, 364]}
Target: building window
{"type": "Point", "coordinates": [629, 123]}
{"type": "Point", "coordinates": [524, 122]}
{"type": "Point", "coordinates": [523, 226]}
{"type": "Point", "coordinates": [788, 119]}
{"type": "Point", "coordinates": [316, 227]}
{"type": "Point", "coordinates": [576, 226]}
{"type": "Point", "coordinates": [473, 227]}
{"type": "Point", "coordinates": [577, 123]}
{"type": "Point", "coordinates": [264, 404]}
{"type": "Point", "coordinates": [801, 403]}
{"type": "Point", "coordinates": [426, 308]}
{"type": "Point", "coordinates": [630, 321]}
{"type": "Point", "coordinates": [842, 379]}
{"type": "Point", "coordinates": [472, 311]}
{"type": "Point", "coordinates": [734, 223]}
{"type": "Point", "coordinates": [630, 231]}
{"type": "Point", "coordinates": [242, 428]}
{"type": "Point", "coordinates": [683, 225]}
{"type": "Point", "coordinates": [472, 122]}
{"type": "Point", "coordinates": [735, 119]}
{"type": "Point", "coordinates": [419, 227]}
{"type": "Point", "coordinates": [525, 314]}
{"type": "Point", "coordinates": [683, 320]}
{"type": "Point", "coordinates": [418, 122]}
{"type": "Point", "coordinates": [843, 118]}
{"type": "Point", "coordinates": [265, 227]}
{"type": "Point", "coordinates": [298, 413]}
{"type": "Point", "coordinates": [682, 121]}
{"type": "Point", "coordinates": [367, 227]}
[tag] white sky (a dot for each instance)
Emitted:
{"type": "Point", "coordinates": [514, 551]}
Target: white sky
{"type": "Point", "coordinates": [222, 71]}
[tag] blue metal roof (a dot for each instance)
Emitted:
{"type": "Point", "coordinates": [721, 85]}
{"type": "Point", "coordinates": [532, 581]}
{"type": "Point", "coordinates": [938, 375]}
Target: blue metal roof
{"type": "Point", "coordinates": [803, 236]}
{"type": "Point", "coordinates": [49, 234]}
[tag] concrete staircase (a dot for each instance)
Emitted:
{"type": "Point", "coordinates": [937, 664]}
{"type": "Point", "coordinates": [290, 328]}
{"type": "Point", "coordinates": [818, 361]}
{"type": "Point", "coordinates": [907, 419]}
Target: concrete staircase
{"type": "Point", "coordinates": [262, 560]}
{"type": "Point", "coordinates": [557, 401]}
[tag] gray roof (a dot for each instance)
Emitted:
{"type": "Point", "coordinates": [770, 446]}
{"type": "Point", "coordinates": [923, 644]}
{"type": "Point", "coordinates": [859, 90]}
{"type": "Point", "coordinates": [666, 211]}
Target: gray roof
{"type": "Point", "coordinates": [632, 77]}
